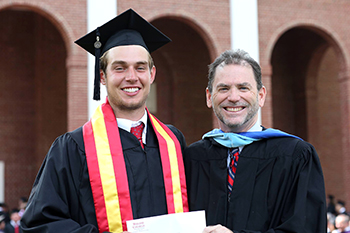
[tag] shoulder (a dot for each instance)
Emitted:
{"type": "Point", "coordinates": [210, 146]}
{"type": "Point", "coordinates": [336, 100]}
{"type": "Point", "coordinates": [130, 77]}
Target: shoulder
{"type": "Point", "coordinates": [202, 144]}
{"type": "Point", "coordinates": [66, 155]}
{"type": "Point", "coordinates": [8, 226]}
{"type": "Point", "coordinates": [68, 143]}
{"type": "Point", "coordinates": [177, 133]}
{"type": "Point", "coordinates": [76, 136]}
{"type": "Point", "coordinates": [281, 147]}
{"type": "Point", "coordinates": [175, 130]}
{"type": "Point", "coordinates": [205, 144]}
{"type": "Point", "coordinates": [289, 144]}
{"type": "Point", "coordinates": [205, 149]}
{"type": "Point", "coordinates": [294, 145]}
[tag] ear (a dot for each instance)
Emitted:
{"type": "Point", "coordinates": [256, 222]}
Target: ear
{"type": "Point", "coordinates": [209, 104]}
{"type": "Point", "coordinates": [103, 78]}
{"type": "Point", "coordinates": [262, 96]}
{"type": "Point", "coordinates": [153, 74]}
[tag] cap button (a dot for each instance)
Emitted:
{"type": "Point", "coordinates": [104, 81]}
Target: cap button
{"type": "Point", "coordinates": [97, 44]}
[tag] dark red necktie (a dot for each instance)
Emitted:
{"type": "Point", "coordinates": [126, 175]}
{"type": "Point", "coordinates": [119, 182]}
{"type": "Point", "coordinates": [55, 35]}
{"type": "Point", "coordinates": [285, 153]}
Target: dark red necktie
{"type": "Point", "coordinates": [16, 229]}
{"type": "Point", "coordinates": [137, 131]}
{"type": "Point", "coordinates": [234, 154]}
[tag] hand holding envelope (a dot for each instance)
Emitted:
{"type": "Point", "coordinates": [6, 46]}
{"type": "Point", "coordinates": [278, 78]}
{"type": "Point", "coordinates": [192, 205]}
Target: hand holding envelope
{"type": "Point", "coordinates": [189, 222]}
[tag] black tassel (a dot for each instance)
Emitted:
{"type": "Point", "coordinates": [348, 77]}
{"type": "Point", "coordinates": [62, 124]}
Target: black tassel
{"type": "Point", "coordinates": [97, 46]}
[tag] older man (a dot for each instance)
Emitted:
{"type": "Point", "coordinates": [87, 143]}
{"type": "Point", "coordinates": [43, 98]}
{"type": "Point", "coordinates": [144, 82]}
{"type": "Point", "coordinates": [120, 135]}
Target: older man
{"type": "Point", "coordinates": [246, 177]}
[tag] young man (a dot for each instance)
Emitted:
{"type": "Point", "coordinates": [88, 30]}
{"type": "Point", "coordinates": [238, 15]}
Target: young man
{"type": "Point", "coordinates": [99, 176]}
{"type": "Point", "coordinates": [248, 178]}
{"type": "Point", "coordinates": [14, 225]}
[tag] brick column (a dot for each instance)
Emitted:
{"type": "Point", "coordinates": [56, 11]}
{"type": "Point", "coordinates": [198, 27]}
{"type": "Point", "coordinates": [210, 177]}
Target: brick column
{"type": "Point", "coordinates": [267, 110]}
{"type": "Point", "coordinates": [77, 111]}
{"type": "Point", "coordinates": [344, 82]}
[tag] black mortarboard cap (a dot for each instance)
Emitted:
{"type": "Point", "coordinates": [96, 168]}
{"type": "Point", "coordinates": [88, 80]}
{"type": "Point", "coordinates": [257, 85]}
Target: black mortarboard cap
{"type": "Point", "coordinates": [128, 28]}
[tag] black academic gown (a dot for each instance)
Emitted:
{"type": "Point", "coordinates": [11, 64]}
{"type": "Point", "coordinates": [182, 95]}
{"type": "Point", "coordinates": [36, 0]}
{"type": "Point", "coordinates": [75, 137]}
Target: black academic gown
{"type": "Point", "coordinates": [61, 199]}
{"type": "Point", "coordinates": [278, 187]}
{"type": "Point", "coordinates": [9, 228]}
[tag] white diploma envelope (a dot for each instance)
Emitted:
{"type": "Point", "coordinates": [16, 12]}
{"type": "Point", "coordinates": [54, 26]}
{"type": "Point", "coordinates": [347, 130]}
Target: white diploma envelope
{"type": "Point", "coordinates": [189, 222]}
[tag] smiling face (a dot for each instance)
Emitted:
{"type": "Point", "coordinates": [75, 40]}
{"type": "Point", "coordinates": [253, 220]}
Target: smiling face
{"type": "Point", "coordinates": [235, 98]}
{"type": "Point", "coordinates": [341, 222]}
{"type": "Point", "coordinates": [128, 78]}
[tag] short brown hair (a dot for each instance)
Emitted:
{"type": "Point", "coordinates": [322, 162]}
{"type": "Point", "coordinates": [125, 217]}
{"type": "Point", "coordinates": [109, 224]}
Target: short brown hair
{"type": "Point", "coordinates": [238, 57]}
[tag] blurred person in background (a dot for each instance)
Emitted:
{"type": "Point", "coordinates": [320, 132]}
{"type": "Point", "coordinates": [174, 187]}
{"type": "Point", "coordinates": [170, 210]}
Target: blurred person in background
{"type": "Point", "coordinates": [14, 225]}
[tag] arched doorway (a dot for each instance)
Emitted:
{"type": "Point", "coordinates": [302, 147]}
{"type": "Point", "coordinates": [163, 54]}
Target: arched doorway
{"type": "Point", "coordinates": [182, 78]}
{"type": "Point", "coordinates": [306, 96]}
{"type": "Point", "coordinates": [33, 80]}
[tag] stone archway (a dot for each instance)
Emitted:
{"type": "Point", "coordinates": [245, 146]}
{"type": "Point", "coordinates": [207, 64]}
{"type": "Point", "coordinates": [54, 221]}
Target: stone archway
{"type": "Point", "coordinates": [182, 78]}
{"type": "Point", "coordinates": [307, 97]}
{"type": "Point", "coordinates": [324, 101]}
{"type": "Point", "coordinates": [33, 82]}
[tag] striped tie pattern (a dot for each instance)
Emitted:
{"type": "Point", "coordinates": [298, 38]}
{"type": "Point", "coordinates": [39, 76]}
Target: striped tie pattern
{"type": "Point", "coordinates": [137, 131]}
{"type": "Point", "coordinates": [234, 154]}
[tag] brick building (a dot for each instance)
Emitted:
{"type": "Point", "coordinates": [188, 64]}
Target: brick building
{"type": "Point", "coordinates": [303, 50]}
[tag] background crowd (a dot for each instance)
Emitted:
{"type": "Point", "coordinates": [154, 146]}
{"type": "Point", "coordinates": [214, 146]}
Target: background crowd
{"type": "Point", "coordinates": [10, 218]}
{"type": "Point", "coordinates": [337, 216]}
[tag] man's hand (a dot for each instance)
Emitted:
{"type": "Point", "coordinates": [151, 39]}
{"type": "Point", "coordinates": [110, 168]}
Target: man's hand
{"type": "Point", "coordinates": [216, 229]}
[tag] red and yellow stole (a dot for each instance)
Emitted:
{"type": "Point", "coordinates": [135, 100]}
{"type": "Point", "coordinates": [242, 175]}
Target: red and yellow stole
{"type": "Point", "coordinates": [108, 178]}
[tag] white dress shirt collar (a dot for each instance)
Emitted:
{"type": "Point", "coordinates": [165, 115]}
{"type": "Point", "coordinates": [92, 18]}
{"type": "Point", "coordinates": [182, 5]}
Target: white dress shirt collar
{"type": "Point", "coordinates": [256, 127]}
{"type": "Point", "coordinates": [127, 124]}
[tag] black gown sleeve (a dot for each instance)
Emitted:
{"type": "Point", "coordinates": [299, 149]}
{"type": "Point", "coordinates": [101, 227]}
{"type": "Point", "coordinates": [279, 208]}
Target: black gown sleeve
{"type": "Point", "coordinates": [54, 204]}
